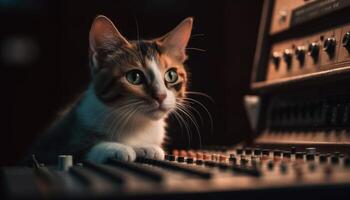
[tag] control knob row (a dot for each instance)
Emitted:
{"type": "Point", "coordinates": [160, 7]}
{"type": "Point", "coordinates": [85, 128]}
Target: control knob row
{"type": "Point", "coordinates": [346, 41]}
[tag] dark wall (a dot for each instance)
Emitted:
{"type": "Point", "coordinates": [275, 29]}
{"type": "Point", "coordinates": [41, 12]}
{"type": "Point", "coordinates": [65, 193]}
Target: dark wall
{"type": "Point", "coordinates": [55, 38]}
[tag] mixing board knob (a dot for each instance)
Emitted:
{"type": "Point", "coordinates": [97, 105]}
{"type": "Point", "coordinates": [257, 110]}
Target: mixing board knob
{"type": "Point", "coordinates": [329, 46]}
{"type": "Point", "coordinates": [180, 159]}
{"type": "Point", "coordinates": [257, 152]}
{"type": "Point", "coordinates": [233, 160]}
{"type": "Point", "coordinates": [239, 151]}
{"type": "Point", "coordinates": [283, 168]}
{"type": "Point", "coordinates": [323, 158]}
{"type": "Point", "coordinates": [287, 57]}
{"type": "Point", "coordinates": [270, 165]}
{"type": "Point", "coordinates": [299, 155]}
{"type": "Point", "coordinates": [65, 162]}
{"type": "Point", "coordinates": [199, 162]}
{"type": "Point", "coordinates": [313, 51]}
{"type": "Point", "coordinates": [171, 157]}
{"type": "Point", "coordinates": [190, 160]}
{"type": "Point", "coordinates": [311, 150]}
{"type": "Point", "coordinates": [310, 157]}
{"type": "Point", "coordinates": [277, 153]}
{"type": "Point", "coordinates": [346, 41]}
{"type": "Point", "coordinates": [335, 159]}
{"type": "Point", "coordinates": [300, 54]}
{"type": "Point", "coordinates": [286, 154]}
{"type": "Point", "coordinates": [276, 59]}
{"type": "Point", "coordinates": [248, 151]}
{"type": "Point", "coordinates": [244, 161]}
{"type": "Point", "coordinates": [266, 152]}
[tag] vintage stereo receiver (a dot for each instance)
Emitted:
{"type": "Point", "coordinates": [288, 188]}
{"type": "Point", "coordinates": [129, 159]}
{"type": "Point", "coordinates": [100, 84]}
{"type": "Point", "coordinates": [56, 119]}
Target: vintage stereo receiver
{"type": "Point", "coordinates": [299, 110]}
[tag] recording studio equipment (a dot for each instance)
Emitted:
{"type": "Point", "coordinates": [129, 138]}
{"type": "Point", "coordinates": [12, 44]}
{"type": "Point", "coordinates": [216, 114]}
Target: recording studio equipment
{"type": "Point", "coordinates": [241, 172]}
{"type": "Point", "coordinates": [299, 111]}
{"type": "Point", "coordinates": [301, 73]}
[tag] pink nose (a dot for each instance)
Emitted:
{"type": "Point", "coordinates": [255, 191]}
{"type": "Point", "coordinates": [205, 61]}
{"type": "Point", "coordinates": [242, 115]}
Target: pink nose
{"type": "Point", "coordinates": [159, 97]}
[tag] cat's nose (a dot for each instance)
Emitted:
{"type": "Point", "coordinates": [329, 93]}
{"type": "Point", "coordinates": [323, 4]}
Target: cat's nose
{"type": "Point", "coordinates": [159, 97]}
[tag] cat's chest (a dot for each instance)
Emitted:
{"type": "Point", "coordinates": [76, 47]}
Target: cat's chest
{"type": "Point", "coordinates": [151, 133]}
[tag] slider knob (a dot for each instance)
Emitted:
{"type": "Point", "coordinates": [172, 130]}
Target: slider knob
{"type": "Point", "coordinates": [276, 59]}
{"type": "Point", "coordinates": [329, 46]}
{"type": "Point", "coordinates": [346, 41]}
{"type": "Point", "coordinates": [287, 57]}
{"type": "Point", "coordinates": [300, 54]}
{"type": "Point", "coordinates": [313, 51]}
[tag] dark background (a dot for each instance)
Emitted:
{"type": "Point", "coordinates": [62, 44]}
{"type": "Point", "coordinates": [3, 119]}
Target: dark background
{"type": "Point", "coordinates": [44, 61]}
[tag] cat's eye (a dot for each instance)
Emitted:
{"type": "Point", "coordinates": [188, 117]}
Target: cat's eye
{"type": "Point", "coordinates": [135, 77]}
{"type": "Point", "coordinates": [171, 76]}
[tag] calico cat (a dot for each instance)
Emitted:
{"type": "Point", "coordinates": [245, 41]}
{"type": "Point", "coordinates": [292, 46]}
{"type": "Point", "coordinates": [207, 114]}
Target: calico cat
{"type": "Point", "coordinates": [135, 86]}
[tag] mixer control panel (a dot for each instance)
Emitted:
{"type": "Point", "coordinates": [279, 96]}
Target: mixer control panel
{"type": "Point", "coordinates": [184, 172]}
{"type": "Point", "coordinates": [319, 52]}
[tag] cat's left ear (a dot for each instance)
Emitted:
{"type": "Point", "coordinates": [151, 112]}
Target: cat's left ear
{"type": "Point", "coordinates": [104, 35]}
{"type": "Point", "coordinates": [174, 43]}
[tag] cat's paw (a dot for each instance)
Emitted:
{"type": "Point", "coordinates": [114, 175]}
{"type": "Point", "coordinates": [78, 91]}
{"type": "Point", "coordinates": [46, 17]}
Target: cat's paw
{"type": "Point", "coordinates": [101, 152]}
{"type": "Point", "coordinates": [149, 151]}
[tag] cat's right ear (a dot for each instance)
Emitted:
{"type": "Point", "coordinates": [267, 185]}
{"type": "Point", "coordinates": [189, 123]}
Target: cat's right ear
{"type": "Point", "coordinates": [105, 36]}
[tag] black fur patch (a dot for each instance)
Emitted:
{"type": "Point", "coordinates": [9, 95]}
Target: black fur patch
{"type": "Point", "coordinates": [147, 49]}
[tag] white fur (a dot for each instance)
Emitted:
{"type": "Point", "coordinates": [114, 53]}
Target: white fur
{"type": "Point", "coordinates": [104, 150]}
{"type": "Point", "coordinates": [142, 135]}
{"type": "Point", "coordinates": [158, 82]}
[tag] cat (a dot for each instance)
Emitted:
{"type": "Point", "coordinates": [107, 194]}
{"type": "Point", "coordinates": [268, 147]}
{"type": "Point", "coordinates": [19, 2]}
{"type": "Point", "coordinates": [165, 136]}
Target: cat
{"type": "Point", "coordinates": [135, 86]}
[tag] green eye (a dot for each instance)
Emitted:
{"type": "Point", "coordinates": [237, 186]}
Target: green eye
{"type": "Point", "coordinates": [171, 76]}
{"type": "Point", "coordinates": [135, 77]}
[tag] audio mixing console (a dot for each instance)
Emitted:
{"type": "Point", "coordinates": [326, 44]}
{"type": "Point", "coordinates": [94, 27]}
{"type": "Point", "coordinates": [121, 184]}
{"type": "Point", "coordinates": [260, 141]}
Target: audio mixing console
{"type": "Point", "coordinates": [191, 174]}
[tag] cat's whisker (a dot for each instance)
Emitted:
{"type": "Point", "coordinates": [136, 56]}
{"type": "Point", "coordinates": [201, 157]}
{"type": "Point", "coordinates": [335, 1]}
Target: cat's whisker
{"type": "Point", "coordinates": [126, 120]}
{"type": "Point", "coordinates": [190, 117]}
{"type": "Point", "coordinates": [197, 49]}
{"type": "Point", "coordinates": [128, 113]}
{"type": "Point", "coordinates": [206, 110]}
{"type": "Point", "coordinates": [187, 104]}
{"type": "Point", "coordinates": [119, 119]}
{"type": "Point", "coordinates": [200, 94]}
{"type": "Point", "coordinates": [102, 116]}
{"type": "Point", "coordinates": [173, 114]}
{"type": "Point", "coordinates": [186, 127]}
{"type": "Point", "coordinates": [138, 40]}
{"type": "Point", "coordinates": [197, 35]}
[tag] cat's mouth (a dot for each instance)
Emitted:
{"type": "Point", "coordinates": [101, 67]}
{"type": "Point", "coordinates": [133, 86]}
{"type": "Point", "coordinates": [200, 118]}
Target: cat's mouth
{"type": "Point", "coordinates": [156, 107]}
{"type": "Point", "coordinates": [160, 108]}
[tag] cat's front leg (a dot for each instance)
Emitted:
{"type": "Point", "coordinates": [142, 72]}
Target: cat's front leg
{"type": "Point", "coordinates": [102, 151]}
{"type": "Point", "coordinates": [149, 151]}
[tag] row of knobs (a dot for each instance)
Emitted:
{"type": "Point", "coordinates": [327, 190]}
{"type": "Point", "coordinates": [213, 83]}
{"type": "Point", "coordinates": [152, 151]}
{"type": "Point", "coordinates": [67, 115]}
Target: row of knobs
{"type": "Point", "coordinates": [313, 50]}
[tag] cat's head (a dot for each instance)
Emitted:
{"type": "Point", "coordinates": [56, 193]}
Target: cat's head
{"type": "Point", "coordinates": [145, 76]}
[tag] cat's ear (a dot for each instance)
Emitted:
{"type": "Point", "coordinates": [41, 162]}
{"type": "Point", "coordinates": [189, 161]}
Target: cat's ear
{"type": "Point", "coordinates": [175, 42]}
{"type": "Point", "coordinates": [104, 35]}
